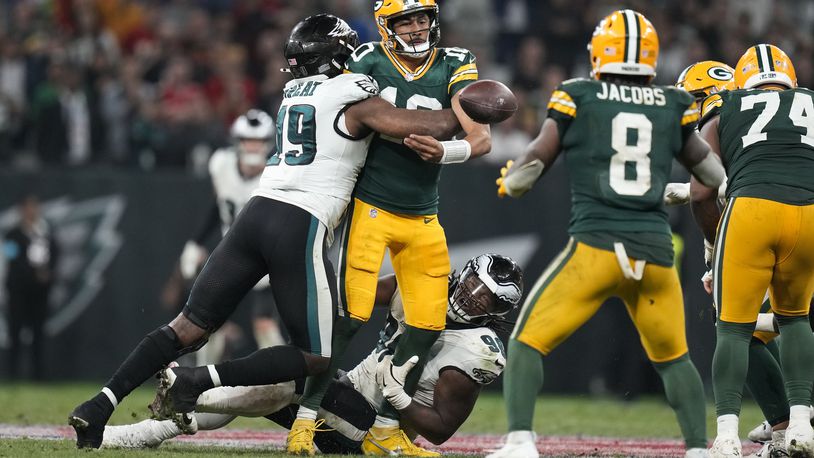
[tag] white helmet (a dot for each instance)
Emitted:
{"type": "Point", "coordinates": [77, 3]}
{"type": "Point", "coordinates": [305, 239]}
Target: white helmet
{"type": "Point", "coordinates": [254, 125]}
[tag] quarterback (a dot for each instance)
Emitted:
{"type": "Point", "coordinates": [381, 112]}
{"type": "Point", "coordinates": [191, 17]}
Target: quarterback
{"type": "Point", "coordinates": [395, 203]}
{"type": "Point", "coordinates": [619, 135]}
{"type": "Point", "coordinates": [765, 236]}
{"type": "Point", "coordinates": [467, 355]}
{"type": "Point", "coordinates": [324, 126]}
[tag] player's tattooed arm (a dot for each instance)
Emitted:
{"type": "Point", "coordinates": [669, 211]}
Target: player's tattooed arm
{"type": "Point", "coordinates": [376, 114]}
{"type": "Point", "coordinates": [454, 397]}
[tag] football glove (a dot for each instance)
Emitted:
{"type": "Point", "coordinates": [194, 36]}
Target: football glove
{"type": "Point", "coordinates": [390, 379]}
{"type": "Point", "coordinates": [676, 194]}
{"type": "Point", "coordinates": [501, 189]}
{"type": "Point", "coordinates": [191, 259]}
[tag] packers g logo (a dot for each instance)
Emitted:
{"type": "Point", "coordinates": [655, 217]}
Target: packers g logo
{"type": "Point", "coordinates": [720, 73]}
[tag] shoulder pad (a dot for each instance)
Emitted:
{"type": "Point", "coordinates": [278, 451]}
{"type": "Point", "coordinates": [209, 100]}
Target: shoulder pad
{"type": "Point", "coordinates": [353, 87]}
{"type": "Point", "coordinates": [221, 159]}
{"type": "Point", "coordinates": [363, 57]}
{"type": "Point", "coordinates": [456, 57]}
{"type": "Point", "coordinates": [573, 81]}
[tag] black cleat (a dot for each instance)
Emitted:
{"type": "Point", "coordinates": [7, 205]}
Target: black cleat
{"type": "Point", "coordinates": [88, 420]}
{"type": "Point", "coordinates": [177, 393]}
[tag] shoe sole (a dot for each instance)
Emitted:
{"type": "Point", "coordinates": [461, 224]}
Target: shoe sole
{"type": "Point", "coordinates": [161, 406]}
{"type": "Point", "coordinates": [81, 427]}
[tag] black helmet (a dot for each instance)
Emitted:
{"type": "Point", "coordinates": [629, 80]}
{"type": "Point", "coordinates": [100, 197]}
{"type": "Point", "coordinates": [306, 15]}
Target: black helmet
{"type": "Point", "coordinates": [319, 45]}
{"type": "Point", "coordinates": [489, 287]}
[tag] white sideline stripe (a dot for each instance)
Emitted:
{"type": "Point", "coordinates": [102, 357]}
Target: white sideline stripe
{"type": "Point", "coordinates": [213, 374]}
{"type": "Point", "coordinates": [107, 392]}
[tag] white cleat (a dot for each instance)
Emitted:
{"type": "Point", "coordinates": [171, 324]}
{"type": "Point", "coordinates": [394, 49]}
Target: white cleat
{"type": "Point", "coordinates": [726, 447]}
{"type": "Point", "coordinates": [144, 434]}
{"type": "Point", "coordinates": [519, 444]}
{"type": "Point", "coordinates": [775, 448]}
{"type": "Point", "coordinates": [696, 453]}
{"type": "Point", "coordinates": [800, 440]}
{"type": "Point", "coordinates": [761, 433]}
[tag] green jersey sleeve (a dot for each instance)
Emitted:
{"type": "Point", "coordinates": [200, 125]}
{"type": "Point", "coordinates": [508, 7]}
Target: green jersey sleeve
{"type": "Point", "coordinates": [710, 107]}
{"type": "Point", "coordinates": [463, 70]}
{"type": "Point", "coordinates": [690, 116]}
{"type": "Point", "coordinates": [562, 106]}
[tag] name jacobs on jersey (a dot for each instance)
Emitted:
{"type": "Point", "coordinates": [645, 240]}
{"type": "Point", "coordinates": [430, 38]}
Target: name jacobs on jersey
{"type": "Point", "coordinates": [639, 95]}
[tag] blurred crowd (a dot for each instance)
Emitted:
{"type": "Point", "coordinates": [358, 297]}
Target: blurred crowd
{"type": "Point", "coordinates": [156, 83]}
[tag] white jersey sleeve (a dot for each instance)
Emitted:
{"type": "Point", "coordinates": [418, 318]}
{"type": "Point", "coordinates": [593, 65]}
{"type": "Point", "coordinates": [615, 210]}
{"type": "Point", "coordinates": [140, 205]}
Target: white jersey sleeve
{"type": "Point", "coordinates": [317, 160]}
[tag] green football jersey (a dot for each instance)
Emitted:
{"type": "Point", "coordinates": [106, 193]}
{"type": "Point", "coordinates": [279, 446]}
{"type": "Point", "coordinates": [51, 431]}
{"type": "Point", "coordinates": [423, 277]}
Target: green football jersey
{"type": "Point", "coordinates": [619, 143]}
{"type": "Point", "coordinates": [767, 143]}
{"type": "Point", "coordinates": [394, 177]}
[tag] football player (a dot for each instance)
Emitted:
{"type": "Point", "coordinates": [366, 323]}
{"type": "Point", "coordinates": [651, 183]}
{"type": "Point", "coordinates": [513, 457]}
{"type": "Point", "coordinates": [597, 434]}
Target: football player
{"type": "Point", "coordinates": [235, 173]}
{"type": "Point", "coordinates": [325, 125]}
{"type": "Point", "coordinates": [764, 378]}
{"type": "Point", "coordinates": [763, 133]}
{"type": "Point", "coordinates": [395, 203]}
{"type": "Point", "coordinates": [620, 134]}
{"type": "Point", "coordinates": [467, 355]}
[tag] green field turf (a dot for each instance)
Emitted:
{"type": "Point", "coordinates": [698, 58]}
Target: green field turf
{"type": "Point", "coordinates": [29, 404]}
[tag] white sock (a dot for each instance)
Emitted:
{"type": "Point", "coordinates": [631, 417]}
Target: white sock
{"type": "Point", "coordinates": [799, 414]}
{"type": "Point", "coordinates": [384, 422]}
{"type": "Point", "coordinates": [304, 413]}
{"type": "Point", "coordinates": [728, 425]}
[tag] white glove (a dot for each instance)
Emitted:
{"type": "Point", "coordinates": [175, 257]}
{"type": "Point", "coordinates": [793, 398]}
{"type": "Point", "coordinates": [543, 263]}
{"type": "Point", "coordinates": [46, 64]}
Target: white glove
{"type": "Point", "coordinates": [191, 258]}
{"type": "Point", "coordinates": [391, 381]}
{"type": "Point", "coordinates": [709, 253]}
{"type": "Point", "coordinates": [676, 194]}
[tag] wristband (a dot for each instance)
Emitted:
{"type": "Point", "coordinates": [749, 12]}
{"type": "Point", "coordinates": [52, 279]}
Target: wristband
{"type": "Point", "coordinates": [455, 151]}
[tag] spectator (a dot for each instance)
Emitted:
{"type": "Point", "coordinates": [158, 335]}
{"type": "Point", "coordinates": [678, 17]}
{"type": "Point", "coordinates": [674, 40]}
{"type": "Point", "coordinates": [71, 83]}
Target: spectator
{"type": "Point", "coordinates": [31, 252]}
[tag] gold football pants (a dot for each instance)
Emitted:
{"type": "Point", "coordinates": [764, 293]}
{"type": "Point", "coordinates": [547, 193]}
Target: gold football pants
{"type": "Point", "coordinates": [763, 244]}
{"type": "Point", "coordinates": [418, 251]}
{"type": "Point", "coordinates": [580, 279]}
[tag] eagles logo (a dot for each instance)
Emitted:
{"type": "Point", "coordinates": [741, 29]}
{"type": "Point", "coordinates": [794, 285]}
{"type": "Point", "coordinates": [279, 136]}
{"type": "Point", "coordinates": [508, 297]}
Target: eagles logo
{"type": "Point", "coordinates": [368, 85]}
{"type": "Point", "coordinates": [484, 376]}
{"type": "Point", "coordinates": [720, 73]}
{"type": "Point", "coordinates": [88, 241]}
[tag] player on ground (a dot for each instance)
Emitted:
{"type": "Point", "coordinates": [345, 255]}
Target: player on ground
{"type": "Point", "coordinates": [764, 132]}
{"type": "Point", "coordinates": [235, 173]}
{"type": "Point", "coordinates": [467, 355]}
{"type": "Point", "coordinates": [619, 134]}
{"type": "Point", "coordinates": [395, 203]}
{"type": "Point", "coordinates": [324, 128]}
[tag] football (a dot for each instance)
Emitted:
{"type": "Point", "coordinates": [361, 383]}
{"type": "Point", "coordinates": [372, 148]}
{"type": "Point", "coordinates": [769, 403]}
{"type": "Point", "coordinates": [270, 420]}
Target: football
{"type": "Point", "coordinates": [488, 101]}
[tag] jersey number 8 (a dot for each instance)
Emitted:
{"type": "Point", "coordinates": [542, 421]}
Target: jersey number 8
{"type": "Point", "coordinates": [637, 154]}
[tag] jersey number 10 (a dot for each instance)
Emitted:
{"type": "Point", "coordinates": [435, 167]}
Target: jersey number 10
{"type": "Point", "coordinates": [298, 122]}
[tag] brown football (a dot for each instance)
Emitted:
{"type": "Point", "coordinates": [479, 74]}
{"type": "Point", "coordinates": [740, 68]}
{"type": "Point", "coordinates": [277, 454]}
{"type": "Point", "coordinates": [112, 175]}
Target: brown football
{"type": "Point", "coordinates": [488, 101]}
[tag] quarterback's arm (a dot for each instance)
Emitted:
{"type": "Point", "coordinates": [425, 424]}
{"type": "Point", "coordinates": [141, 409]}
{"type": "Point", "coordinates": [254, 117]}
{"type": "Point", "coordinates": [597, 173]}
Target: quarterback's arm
{"type": "Point", "coordinates": [518, 177]}
{"type": "Point", "coordinates": [704, 197]}
{"type": "Point", "coordinates": [454, 397]}
{"type": "Point", "coordinates": [376, 114]}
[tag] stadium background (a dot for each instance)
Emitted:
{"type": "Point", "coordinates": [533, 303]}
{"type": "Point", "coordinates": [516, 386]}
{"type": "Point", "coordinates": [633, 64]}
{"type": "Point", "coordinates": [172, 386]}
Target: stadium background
{"type": "Point", "coordinates": [109, 110]}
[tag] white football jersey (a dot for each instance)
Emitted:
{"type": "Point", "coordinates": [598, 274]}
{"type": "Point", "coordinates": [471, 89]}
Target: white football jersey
{"type": "Point", "coordinates": [317, 161]}
{"type": "Point", "coordinates": [232, 190]}
{"type": "Point", "coordinates": [477, 352]}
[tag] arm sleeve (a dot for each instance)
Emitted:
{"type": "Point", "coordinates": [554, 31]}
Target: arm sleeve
{"type": "Point", "coordinates": [562, 109]}
{"type": "Point", "coordinates": [464, 70]}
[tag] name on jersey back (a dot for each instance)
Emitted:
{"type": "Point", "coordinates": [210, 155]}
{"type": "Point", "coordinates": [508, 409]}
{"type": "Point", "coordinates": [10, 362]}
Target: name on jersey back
{"type": "Point", "coordinates": [302, 89]}
{"type": "Point", "coordinates": [639, 95]}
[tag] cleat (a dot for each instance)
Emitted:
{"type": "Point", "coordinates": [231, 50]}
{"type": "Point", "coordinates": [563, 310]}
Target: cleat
{"type": "Point", "coordinates": [176, 394]}
{"type": "Point", "coordinates": [726, 447]}
{"type": "Point", "coordinates": [88, 420]}
{"type": "Point", "coordinates": [391, 441]}
{"type": "Point", "coordinates": [761, 433]}
{"type": "Point", "coordinates": [776, 448]}
{"type": "Point", "coordinates": [144, 434]}
{"type": "Point", "coordinates": [300, 440]}
{"type": "Point", "coordinates": [799, 440]}
{"type": "Point", "coordinates": [696, 453]}
{"type": "Point", "coordinates": [519, 444]}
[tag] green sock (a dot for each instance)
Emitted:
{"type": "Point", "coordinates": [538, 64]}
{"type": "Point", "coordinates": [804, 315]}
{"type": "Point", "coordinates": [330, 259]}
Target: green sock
{"type": "Point", "coordinates": [797, 358]}
{"type": "Point", "coordinates": [764, 380]}
{"type": "Point", "coordinates": [521, 383]}
{"type": "Point", "coordinates": [316, 385]}
{"type": "Point", "coordinates": [729, 365]}
{"type": "Point", "coordinates": [413, 341]}
{"type": "Point", "coordinates": [685, 394]}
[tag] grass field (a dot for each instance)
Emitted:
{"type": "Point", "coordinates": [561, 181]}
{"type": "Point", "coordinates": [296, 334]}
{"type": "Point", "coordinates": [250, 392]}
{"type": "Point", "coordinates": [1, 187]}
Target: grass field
{"type": "Point", "coordinates": [49, 404]}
